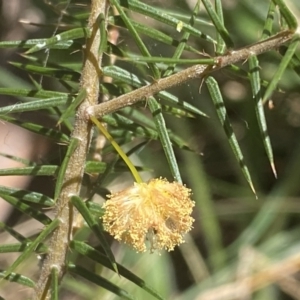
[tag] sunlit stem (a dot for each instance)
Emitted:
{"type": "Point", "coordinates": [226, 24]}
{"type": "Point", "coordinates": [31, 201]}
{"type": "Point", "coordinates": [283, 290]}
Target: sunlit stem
{"type": "Point", "coordinates": [126, 159]}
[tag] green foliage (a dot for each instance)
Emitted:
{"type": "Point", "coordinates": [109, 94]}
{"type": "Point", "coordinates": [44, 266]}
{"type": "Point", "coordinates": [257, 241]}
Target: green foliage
{"type": "Point", "coordinates": [221, 139]}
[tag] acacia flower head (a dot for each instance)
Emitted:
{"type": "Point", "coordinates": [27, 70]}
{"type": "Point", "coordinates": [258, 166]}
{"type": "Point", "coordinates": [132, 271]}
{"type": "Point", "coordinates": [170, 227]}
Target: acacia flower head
{"type": "Point", "coordinates": [155, 213]}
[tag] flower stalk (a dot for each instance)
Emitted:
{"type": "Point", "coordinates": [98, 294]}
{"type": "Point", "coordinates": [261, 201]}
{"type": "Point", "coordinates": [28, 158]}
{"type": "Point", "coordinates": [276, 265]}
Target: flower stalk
{"type": "Point", "coordinates": [126, 159]}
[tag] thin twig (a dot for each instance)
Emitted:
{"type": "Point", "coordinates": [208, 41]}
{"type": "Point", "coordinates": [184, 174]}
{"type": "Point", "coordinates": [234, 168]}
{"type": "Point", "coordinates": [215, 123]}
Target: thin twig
{"type": "Point", "coordinates": [196, 71]}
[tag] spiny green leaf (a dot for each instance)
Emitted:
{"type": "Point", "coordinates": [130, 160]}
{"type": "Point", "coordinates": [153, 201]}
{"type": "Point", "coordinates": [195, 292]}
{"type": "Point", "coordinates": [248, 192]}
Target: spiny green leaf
{"type": "Point", "coordinates": [268, 27]}
{"type": "Point", "coordinates": [70, 111]}
{"type": "Point", "coordinates": [221, 46]}
{"type": "Point", "coordinates": [103, 34]}
{"type": "Point", "coordinates": [64, 65]}
{"type": "Point", "coordinates": [295, 61]}
{"type": "Point", "coordinates": [64, 36]}
{"type": "Point", "coordinates": [146, 131]}
{"type": "Point", "coordinates": [259, 109]}
{"type": "Point", "coordinates": [139, 117]}
{"type": "Point", "coordinates": [51, 170]}
{"type": "Point", "coordinates": [24, 195]}
{"type": "Point", "coordinates": [177, 112]}
{"type": "Point", "coordinates": [282, 67]}
{"type": "Point", "coordinates": [181, 46]}
{"type": "Point", "coordinates": [168, 60]}
{"type": "Point", "coordinates": [241, 73]}
{"type": "Point", "coordinates": [97, 187]}
{"type": "Point", "coordinates": [61, 73]}
{"type": "Point", "coordinates": [18, 278]}
{"type": "Point", "coordinates": [92, 277]}
{"type": "Point", "coordinates": [31, 247]}
{"type": "Point", "coordinates": [164, 137]}
{"type": "Point", "coordinates": [54, 283]}
{"type": "Point", "coordinates": [98, 257]}
{"type": "Point", "coordinates": [217, 98]}
{"type": "Point", "coordinates": [37, 170]}
{"type": "Point", "coordinates": [58, 136]}
{"type": "Point", "coordinates": [154, 34]}
{"type": "Point", "coordinates": [122, 75]}
{"type": "Point", "coordinates": [95, 208]}
{"type": "Point", "coordinates": [129, 125]}
{"type": "Point", "coordinates": [20, 160]}
{"type": "Point", "coordinates": [34, 105]}
{"type": "Point", "coordinates": [27, 209]}
{"type": "Point", "coordinates": [13, 232]}
{"type": "Point", "coordinates": [33, 93]}
{"type": "Point", "coordinates": [25, 44]}
{"type": "Point", "coordinates": [287, 14]}
{"type": "Point", "coordinates": [174, 101]}
{"type": "Point", "coordinates": [19, 247]}
{"type": "Point", "coordinates": [142, 47]}
{"type": "Point", "coordinates": [219, 26]}
{"type": "Point", "coordinates": [62, 170]}
{"type": "Point", "coordinates": [95, 227]}
{"type": "Point", "coordinates": [95, 167]}
{"type": "Point", "coordinates": [163, 17]}
{"type": "Point", "coordinates": [185, 16]}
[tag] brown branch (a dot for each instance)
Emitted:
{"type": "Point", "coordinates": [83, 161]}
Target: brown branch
{"type": "Point", "coordinates": [196, 71]}
{"type": "Point", "coordinates": [58, 246]}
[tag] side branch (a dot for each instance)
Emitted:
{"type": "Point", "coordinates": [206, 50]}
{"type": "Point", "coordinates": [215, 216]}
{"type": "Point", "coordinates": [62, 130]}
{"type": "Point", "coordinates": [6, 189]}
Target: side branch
{"type": "Point", "coordinates": [196, 71]}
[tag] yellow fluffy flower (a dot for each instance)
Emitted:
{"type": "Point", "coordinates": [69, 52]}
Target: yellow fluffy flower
{"type": "Point", "coordinates": [158, 211]}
